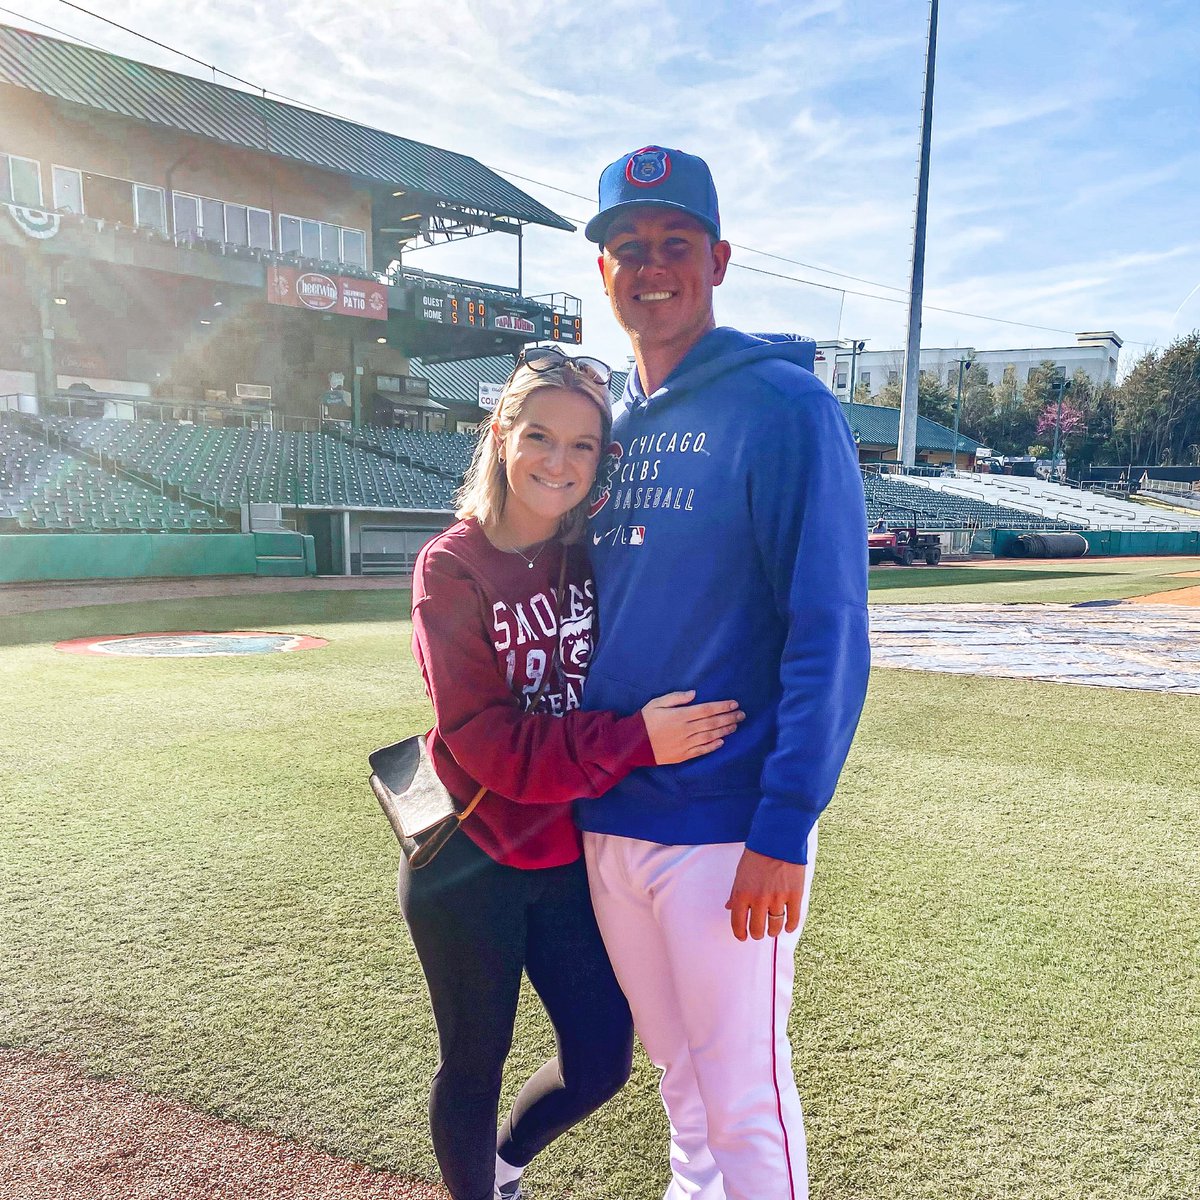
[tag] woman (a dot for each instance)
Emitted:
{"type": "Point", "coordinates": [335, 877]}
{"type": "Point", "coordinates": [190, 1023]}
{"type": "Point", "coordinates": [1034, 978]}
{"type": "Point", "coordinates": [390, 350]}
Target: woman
{"type": "Point", "coordinates": [504, 649]}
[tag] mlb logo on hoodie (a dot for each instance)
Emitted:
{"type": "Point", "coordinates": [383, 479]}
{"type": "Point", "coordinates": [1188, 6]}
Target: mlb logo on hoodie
{"type": "Point", "coordinates": [637, 534]}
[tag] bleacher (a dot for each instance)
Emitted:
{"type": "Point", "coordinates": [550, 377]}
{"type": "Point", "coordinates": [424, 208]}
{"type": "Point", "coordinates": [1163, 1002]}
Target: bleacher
{"type": "Point", "coordinates": [99, 475]}
{"type": "Point", "coordinates": [446, 454]}
{"type": "Point", "coordinates": [127, 474]}
{"type": "Point", "coordinates": [228, 467]}
{"type": "Point", "coordinates": [45, 488]}
{"type": "Point", "coordinates": [895, 500]}
{"type": "Point", "coordinates": [1045, 503]}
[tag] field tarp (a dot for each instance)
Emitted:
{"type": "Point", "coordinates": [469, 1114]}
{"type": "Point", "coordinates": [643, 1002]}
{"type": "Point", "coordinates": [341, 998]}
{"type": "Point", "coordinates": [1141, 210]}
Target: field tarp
{"type": "Point", "coordinates": [1150, 647]}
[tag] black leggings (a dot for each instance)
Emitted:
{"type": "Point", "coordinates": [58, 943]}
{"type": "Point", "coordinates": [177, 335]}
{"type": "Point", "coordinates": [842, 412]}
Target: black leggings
{"type": "Point", "coordinates": [476, 924]}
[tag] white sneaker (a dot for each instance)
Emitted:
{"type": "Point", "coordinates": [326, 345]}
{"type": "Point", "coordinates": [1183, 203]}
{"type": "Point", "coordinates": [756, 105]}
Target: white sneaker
{"type": "Point", "coordinates": [511, 1191]}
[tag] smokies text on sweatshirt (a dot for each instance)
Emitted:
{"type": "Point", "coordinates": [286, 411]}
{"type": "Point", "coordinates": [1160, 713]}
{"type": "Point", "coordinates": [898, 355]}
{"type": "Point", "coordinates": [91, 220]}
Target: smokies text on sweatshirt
{"type": "Point", "coordinates": [516, 627]}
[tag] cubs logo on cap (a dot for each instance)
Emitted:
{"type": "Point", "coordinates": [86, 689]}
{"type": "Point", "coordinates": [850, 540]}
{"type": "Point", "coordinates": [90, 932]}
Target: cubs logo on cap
{"type": "Point", "coordinates": [656, 175]}
{"type": "Point", "coordinates": [648, 166]}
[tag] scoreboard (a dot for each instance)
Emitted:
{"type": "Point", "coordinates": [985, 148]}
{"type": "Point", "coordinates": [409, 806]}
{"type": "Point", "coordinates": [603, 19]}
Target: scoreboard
{"type": "Point", "coordinates": [463, 310]}
{"type": "Point", "coordinates": [472, 312]}
{"type": "Point", "coordinates": [565, 329]}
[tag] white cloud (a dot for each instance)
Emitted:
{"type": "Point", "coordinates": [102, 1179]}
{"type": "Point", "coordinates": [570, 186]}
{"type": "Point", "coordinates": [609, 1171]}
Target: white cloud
{"type": "Point", "coordinates": [1051, 203]}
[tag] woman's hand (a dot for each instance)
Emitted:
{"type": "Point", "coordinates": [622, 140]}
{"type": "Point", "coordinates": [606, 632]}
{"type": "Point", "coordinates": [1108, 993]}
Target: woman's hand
{"type": "Point", "coordinates": [680, 730]}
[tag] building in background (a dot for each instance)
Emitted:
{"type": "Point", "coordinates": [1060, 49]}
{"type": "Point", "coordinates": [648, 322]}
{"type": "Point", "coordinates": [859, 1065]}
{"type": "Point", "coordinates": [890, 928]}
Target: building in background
{"type": "Point", "coordinates": [170, 247]}
{"type": "Point", "coordinates": [1095, 354]}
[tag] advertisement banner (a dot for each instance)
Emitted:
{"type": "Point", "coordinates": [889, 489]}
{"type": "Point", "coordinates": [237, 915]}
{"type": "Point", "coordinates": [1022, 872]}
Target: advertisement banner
{"type": "Point", "coordinates": [341, 294]}
{"type": "Point", "coordinates": [489, 395]}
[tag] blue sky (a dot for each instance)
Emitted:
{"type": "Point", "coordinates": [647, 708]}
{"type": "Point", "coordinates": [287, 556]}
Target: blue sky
{"type": "Point", "coordinates": [1065, 185]}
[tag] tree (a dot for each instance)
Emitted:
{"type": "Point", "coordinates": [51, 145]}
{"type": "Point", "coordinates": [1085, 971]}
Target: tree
{"type": "Point", "coordinates": [934, 400]}
{"type": "Point", "coordinates": [979, 406]}
{"type": "Point", "coordinates": [1012, 423]}
{"type": "Point", "coordinates": [1069, 419]}
{"type": "Point", "coordinates": [1157, 406]}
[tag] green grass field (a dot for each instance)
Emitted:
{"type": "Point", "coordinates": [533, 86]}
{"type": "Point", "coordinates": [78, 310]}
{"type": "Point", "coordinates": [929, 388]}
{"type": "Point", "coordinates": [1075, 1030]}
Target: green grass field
{"type": "Point", "coordinates": [997, 995]}
{"type": "Point", "coordinates": [1032, 582]}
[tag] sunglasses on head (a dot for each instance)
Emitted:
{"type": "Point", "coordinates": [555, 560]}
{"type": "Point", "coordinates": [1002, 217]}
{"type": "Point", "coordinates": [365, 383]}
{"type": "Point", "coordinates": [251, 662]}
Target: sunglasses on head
{"type": "Point", "coordinates": [548, 358]}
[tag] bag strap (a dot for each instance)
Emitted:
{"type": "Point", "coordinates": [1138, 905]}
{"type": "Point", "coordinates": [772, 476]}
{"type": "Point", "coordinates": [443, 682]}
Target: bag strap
{"type": "Point", "coordinates": [466, 812]}
{"type": "Point", "coordinates": [553, 670]}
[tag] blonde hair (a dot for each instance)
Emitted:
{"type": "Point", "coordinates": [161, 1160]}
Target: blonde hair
{"type": "Point", "coordinates": [484, 489]}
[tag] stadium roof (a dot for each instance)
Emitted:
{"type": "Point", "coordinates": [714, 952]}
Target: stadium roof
{"type": "Point", "coordinates": [459, 381]}
{"type": "Point", "coordinates": [879, 425]}
{"type": "Point", "coordinates": [80, 75]}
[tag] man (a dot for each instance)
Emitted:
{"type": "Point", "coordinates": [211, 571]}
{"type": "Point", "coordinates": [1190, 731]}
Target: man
{"type": "Point", "coordinates": [728, 548]}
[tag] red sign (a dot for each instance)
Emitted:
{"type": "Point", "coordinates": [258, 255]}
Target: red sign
{"type": "Point", "coordinates": [327, 293]}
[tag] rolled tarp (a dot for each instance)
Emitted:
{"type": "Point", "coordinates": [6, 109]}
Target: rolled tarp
{"type": "Point", "coordinates": [1048, 545]}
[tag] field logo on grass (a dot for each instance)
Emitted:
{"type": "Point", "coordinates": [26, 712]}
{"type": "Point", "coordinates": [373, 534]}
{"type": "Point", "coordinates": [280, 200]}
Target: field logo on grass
{"type": "Point", "coordinates": [193, 644]}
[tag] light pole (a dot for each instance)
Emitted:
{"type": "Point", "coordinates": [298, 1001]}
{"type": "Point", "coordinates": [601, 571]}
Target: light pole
{"type": "Point", "coordinates": [906, 449]}
{"type": "Point", "coordinates": [855, 348]}
{"type": "Point", "coordinates": [964, 365]}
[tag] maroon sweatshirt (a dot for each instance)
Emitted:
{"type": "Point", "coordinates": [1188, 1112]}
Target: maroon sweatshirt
{"type": "Point", "coordinates": [485, 626]}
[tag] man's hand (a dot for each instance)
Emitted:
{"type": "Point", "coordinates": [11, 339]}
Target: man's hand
{"type": "Point", "coordinates": [767, 894]}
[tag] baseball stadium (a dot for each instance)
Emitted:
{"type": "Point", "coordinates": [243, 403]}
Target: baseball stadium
{"type": "Point", "coordinates": [230, 417]}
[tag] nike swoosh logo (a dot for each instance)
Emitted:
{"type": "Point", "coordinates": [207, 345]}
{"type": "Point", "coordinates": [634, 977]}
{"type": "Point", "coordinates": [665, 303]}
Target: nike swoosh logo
{"type": "Point", "coordinates": [596, 539]}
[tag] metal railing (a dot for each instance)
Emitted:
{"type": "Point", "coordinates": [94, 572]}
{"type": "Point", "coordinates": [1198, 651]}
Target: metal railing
{"type": "Point", "coordinates": [1171, 487]}
{"type": "Point", "coordinates": [451, 284]}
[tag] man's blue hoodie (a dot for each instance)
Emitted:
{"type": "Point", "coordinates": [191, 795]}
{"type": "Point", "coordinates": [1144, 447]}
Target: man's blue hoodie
{"type": "Point", "coordinates": [729, 544]}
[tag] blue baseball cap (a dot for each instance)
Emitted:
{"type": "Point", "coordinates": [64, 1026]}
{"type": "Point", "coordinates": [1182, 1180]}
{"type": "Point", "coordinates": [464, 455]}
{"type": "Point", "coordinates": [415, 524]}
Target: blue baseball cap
{"type": "Point", "coordinates": [656, 175]}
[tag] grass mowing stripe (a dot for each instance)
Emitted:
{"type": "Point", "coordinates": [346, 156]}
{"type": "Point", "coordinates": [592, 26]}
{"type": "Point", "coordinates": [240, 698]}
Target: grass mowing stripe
{"type": "Point", "coordinates": [1030, 582]}
{"type": "Point", "coordinates": [996, 996]}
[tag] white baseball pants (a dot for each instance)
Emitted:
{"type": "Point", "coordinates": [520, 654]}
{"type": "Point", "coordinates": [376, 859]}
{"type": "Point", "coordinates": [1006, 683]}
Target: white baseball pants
{"type": "Point", "coordinates": [711, 1012]}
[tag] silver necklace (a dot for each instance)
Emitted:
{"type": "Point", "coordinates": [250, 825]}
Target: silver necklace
{"type": "Point", "coordinates": [529, 561]}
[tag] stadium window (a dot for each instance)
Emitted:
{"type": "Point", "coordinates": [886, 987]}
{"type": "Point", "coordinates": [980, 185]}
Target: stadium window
{"type": "Point", "coordinates": [149, 207]}
{"type": "Point", "coordinates": [259, 221]}
{"type": "Point", "coordinates": [289, 235]}
{"type": "Point", "coordinates": [893, 377]}
{"type": "Point", "coordinates": [865, 379]}
{"type": "Point", "coordinates": [331, 243]}
{"type": "Point", "coordinates": [212, 219]}
{"type": "Point", "coordinates": [20, 180]}
{"type": "Point", "coordinates": [310, 238]}
{"type": "Point", "coordinates": [185, 210]}
{"type": "Point", "coordinates": [354, 247]}
{"type": "Point", "coordinates": [313, 239]}
{"type": "Point", "coordinates": [839, 380]}
{"type": "Point", "coordinates": [68, 190]}
{"type": "Point", "coordinates": [108, 198]}
{"type": "Point", "coordinates": [237, 230]}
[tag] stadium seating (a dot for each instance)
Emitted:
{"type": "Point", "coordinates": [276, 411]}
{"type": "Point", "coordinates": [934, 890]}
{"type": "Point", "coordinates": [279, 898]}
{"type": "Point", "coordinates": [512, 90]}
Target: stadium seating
{"type": "Point", "coordinates": [447, 454]}
{"type": "Point", "coordinates": [899, 500]}
{"type": "Point", "coordinates": [1045, 502]}
{"type": "Point", "coordinates": [229, 467]}
{"type": "Point", "coordinates": [63, 473]}
{"type": "Point", "coordinates": [44, 487]}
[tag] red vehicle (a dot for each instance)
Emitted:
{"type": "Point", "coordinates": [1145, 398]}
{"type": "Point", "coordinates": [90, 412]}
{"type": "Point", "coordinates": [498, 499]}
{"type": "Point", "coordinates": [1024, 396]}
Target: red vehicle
{"type": "Point", "coordinates": [903, 545]}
